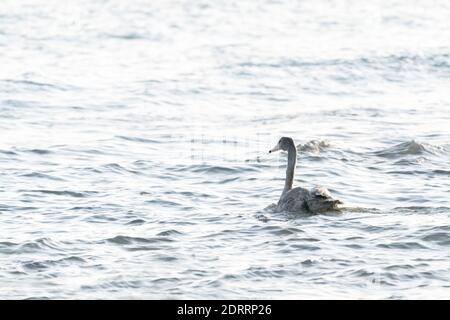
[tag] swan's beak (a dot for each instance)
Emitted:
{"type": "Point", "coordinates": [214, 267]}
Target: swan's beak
{"type": "Point", "coordinates": [276, 148]}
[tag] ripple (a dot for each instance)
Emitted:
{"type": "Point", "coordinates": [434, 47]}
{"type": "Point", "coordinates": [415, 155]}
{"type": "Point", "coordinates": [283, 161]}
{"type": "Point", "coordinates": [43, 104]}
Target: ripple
{"type": "Point", "coordinates": [166, 258]}
{"type": "Point", "coordinates": [136, 222]}
{"type": "Point", "coordinates": [210, 169]}
{"type": "Point", "coordinates": [38, 245]}
{"type": "Point", "coordinates": [164, 203]}
{"type": "Point", "coordinates": [138, 139]}
{"type": "Point", "coordinates": [128, 36]}
{"type": "Point", "coordinates": [402, 245]}
{"type": "Point", "coordinates": [41, 176]}
{"type": "Point", "coordinates": [308, 263]}
{"type": "Point", "coordinates": [305, 247]}
{"type": "Point", "coordinates": [36, 85]}
{"type": "Point", "coordinates": [400, 267]}
{"type": "Point", "coordinates": [74, 194]}
{"type": "Point", "coordinates": [191, 194]}
{"type": "Point", "coordinates": [114, 284]}
{"type": "Point", "coordinates": [40, 265]}
{"type": "Point", "coordinates": [422, 209]}
{"type": "Point", "coordinates": [442, 172]}
{"type": "Point", "coordinates": [125, 240]}
{"type": "Point", "coordinates": [116, 168]}
{"type": "Point", "coordinates": [165, 280]}
{"type": "Point", "coordinates": [100, 218]}
{"type": "Point", "coordinates": [282, 231]}
{"type": "Point", "coordinates": [40, 151]}
{"type": "Point", "coordinates": [7, 247]}
{"type": "Point", "coordinates": [169, 233]}
{"type": "Point", "coordinates": [8, 152]}
{"type": "Point", "coordinates": [228, 180]}
{"type": "Point", "coordinates": [440, 238]}
{"type": "Point", "coordinates": [262, 272]}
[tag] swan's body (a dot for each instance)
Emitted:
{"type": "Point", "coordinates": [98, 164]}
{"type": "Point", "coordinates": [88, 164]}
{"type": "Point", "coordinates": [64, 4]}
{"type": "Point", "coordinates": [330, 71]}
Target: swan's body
{"type": "Point", "coordinates": [315, 200]}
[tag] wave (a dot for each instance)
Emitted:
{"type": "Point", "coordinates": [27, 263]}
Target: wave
{"type": "Point", "coordinates": [164, 203]}
{"type": "Point", "coordinates": [191, 194]}
{"type": "Point", "coordinates": [314, 146]}
{"type": "Point", "coordinates": [116, 168]}
{"type": "Point", "coordinates": [413, 245]}
{"type": "Point", "coordinates": [7, 152]}
{"type": "Point", "coordinates": [131, 36]}
{"type": "Point", "coordinates": [421, 209]}
{"type": "Point", "coordinates": [136, 222]}
{"type": "Point", "coordinates": [125, 240]}
{"type": "Point", "coordinates": [443, 172]}
{"type": "Point", "coordinates": [41, 175]}
{"type": "Point", "coordinates": [266, 273]}
{"type": "Point", "coordinates": [388, 63]}
{"type": "Point", "coordinates": [440, 238]}
{"type": "Point", "coordinates": [281, 231]}
{"type": "Point", "coordinates": [39, 151]}
{"type": "Point", "coordinates": [211, 169]}
{"type": "Point", "coordinates": [170, 232]}
{"type": "Point", "coordinates": [36, 85]}
{"type": "Point", "coordinates": [39, 265]}
{"type": "Point", "coordinates": [41, 244]}
{"type": "Point", "coordinates": [138, 139]}
{"type": "Point", "coordinates": [74, 194]}
{"type": "Point", "coordinates": [408, 148]}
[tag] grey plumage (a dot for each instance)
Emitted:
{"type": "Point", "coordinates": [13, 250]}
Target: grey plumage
{"type": "Point", "coordinates": [316, 200]}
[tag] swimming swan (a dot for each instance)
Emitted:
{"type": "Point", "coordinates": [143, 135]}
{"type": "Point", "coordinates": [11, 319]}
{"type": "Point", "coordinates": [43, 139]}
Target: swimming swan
{"type": "Point", "coordinates": [315, 200]}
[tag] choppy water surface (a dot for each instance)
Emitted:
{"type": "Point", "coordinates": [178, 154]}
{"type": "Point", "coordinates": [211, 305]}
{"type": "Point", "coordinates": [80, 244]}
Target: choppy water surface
{"type": "Point", "coordinates": [134, 139]}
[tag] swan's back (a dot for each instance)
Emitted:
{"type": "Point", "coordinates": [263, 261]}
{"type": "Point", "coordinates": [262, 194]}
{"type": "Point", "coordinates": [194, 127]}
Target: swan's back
{"type": "Point", "coordinates": [316, 200]}
{"type": "Point", "coordinates": [294, 200]}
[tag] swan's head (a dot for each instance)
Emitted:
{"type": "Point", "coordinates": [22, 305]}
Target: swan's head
{"type": "Point", "coordinates": [284, 144]}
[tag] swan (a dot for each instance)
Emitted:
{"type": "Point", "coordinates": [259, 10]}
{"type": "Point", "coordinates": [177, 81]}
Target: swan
{"type": "Point", "coordinates": [316, 200]}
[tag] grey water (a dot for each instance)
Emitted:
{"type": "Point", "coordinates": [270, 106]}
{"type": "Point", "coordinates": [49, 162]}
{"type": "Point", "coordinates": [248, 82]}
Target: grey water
{"type": "Point", "coordinates": [134, 139]}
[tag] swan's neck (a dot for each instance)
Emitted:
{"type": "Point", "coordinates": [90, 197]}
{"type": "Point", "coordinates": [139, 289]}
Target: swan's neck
{"type": "Point", "coordinates": [292, 159]}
